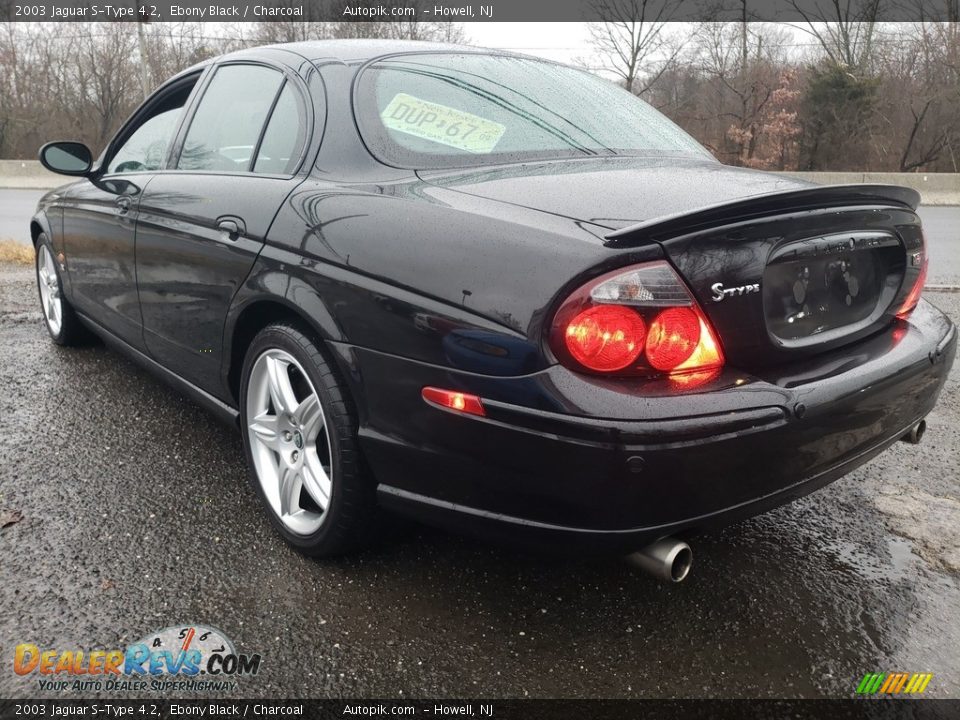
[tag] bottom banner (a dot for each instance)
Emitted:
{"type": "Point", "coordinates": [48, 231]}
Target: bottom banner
{"type": "Point", "coordinates": [506, 709]}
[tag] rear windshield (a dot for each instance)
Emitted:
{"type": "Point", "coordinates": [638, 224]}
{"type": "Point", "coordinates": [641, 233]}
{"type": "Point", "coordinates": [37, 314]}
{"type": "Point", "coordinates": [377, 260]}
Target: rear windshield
{"type": "Point", "coordinates": [441, 110]}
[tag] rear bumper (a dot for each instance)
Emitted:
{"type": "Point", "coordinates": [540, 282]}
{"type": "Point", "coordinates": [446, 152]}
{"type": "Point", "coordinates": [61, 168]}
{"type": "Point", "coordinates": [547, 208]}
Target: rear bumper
{"type": "Point", "coordinates": [565, 461]}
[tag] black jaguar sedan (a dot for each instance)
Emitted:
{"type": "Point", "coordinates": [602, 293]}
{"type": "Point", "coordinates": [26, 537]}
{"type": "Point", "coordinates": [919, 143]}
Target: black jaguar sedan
{"type": "Point", "coordinates": [493, 293]}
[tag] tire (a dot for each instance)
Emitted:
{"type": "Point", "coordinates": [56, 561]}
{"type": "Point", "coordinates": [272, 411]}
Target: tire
{"type": "Point", "coordinates": [59, 317]}
{"type": "Point", "coordinates": [284, 445]}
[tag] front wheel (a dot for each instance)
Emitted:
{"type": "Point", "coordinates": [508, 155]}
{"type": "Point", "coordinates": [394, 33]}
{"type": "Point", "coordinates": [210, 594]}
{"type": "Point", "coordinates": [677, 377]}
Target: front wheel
{"type": "Point", "coordinates": [62, 322]}
{"type": "Point", "coordinates": [300, 438]}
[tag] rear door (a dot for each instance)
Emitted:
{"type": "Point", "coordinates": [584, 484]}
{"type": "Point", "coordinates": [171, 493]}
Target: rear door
{"type": "Point", "coordinates": [203, 222]}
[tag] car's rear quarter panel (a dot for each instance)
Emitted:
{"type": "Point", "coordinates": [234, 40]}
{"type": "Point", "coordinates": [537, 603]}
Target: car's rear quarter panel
{"type": "Point", "coordinates": [400, 268]}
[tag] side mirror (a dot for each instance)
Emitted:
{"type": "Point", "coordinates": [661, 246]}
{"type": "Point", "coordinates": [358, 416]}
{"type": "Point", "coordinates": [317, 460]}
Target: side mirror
{"type": "Point", "coordinates": [66, 158]}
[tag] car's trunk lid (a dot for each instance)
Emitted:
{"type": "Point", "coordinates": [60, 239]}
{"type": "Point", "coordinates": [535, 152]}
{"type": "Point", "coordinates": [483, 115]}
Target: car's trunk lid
{"type": "Point", "coordinates": [613, 192]}
{"type": "Point", "coordinates": [794, 273]}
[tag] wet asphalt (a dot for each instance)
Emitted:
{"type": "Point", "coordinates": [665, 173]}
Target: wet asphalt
{"type": "Point", "coordinates": [137, 515]}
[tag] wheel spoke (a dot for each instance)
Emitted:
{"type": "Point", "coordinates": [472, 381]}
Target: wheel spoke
{"type": "Point", "coordinates": [316, 483]}
{"type": "Point", "coordinates": [281, 391]}
{"type": "Point", "coordinates": [290, 485]}
{"type": "Point", "coordinates": [309, 416]}
{"type": "Point", "coordinates": [267, 429]}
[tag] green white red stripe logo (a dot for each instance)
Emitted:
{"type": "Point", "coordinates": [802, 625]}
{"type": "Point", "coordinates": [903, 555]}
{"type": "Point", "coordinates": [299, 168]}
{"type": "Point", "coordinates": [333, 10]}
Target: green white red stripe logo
{"type": "Point", "coordinates": [894, 683]}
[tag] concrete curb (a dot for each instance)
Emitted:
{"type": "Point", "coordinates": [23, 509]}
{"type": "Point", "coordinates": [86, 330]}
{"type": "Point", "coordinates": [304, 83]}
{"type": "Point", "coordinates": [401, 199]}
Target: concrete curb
{"type": "Point", "coordinates": [29, 184]}
{"type": "Point", "coordinates": [934, 188]}
{"type": "Point", "coordinates": [28, 175]}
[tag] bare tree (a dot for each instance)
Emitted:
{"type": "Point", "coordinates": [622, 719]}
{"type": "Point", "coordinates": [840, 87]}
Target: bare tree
{"type": "Point", "coordinates": [633, 44]}
{"type": "Point", "coordinates": [844, 29]}
{"type": "Point", "coordinates": [144, 66]}
{"type": "Point", "coordinates": [920, 96]}
{"type": "Point", "coordinates": [737, 92]}
{"type": "Point", "coordinates": [171, 47]}
{"type": "Point", "coordinates": [102, 73]}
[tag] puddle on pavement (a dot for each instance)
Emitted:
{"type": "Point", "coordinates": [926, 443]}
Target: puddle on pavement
{"type": "Point", "coordinates": [900, 565]}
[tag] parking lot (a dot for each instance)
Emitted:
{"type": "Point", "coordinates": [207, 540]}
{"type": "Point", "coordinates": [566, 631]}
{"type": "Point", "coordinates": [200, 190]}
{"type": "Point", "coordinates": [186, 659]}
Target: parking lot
{"type": "Point", "coordinates": [136, 514]}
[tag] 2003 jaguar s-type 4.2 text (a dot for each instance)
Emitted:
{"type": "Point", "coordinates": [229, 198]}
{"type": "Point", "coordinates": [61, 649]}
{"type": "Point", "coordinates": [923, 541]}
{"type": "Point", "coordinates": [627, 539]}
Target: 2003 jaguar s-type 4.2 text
{"type": "Point", "coordinates": [491, 292]}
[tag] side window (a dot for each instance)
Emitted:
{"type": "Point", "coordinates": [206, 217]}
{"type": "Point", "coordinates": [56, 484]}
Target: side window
{"type": "Point", "coordinates": [147, 147]}
{"type": "Point", "coordinates": [224, 132]}
{"type": "Point", "coordinates": [284, 137]}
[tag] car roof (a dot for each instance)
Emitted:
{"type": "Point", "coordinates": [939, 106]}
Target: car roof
{"type": "Point", "coordinates": [347, 51]}
{"type": "Point", "coordinates": [366, 49]}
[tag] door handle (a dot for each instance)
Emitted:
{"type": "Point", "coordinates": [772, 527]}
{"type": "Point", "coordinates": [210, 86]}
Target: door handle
{"type": "Point", "coordinates": [232, 227]}
{"type": "Point", "coordinates": [123, 204]}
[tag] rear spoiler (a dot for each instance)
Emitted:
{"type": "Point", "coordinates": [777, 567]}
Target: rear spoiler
{"type": "Point", "coordinates": [756, 206]}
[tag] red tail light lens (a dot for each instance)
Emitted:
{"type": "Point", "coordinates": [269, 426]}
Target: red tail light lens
{"type": "Point", "coordinates": [606, 338]}
{"type": "Point", "coordinates": [674, 335]}
{"type": "Point", "coordinates": [641, 320]}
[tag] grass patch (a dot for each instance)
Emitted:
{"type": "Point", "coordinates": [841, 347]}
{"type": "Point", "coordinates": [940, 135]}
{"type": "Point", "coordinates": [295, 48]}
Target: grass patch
{"type": "Point", "coordinates": [12, 251]}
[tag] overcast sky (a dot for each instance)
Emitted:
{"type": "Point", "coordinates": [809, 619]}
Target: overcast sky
{"type": "Point", "coordinates": [563, 42]}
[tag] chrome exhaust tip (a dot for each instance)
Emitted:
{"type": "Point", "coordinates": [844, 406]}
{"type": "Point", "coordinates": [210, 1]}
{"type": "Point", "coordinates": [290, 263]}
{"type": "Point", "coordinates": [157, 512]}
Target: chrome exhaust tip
{"type": "Point", "coordinates": [914, 434]}
{"type": "Point", "coordinates": [668, 559]}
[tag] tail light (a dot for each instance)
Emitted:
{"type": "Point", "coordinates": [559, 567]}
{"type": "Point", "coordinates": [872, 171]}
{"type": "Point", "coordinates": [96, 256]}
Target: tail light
{"type": "Point", "coordinates": [913, 297]}
{"type": "Point", "coordinates": [640, 320]}
{"type": "Point", "coordinates": [605, 338]}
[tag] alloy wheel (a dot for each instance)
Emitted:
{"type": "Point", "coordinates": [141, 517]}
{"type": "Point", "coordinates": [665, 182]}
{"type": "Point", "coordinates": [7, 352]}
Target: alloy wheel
{"type": "Point", "coordinates": [49, 290]}
{"type": "Point", "coordinates": [289, 441]}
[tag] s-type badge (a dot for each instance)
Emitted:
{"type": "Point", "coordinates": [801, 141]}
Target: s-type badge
{"type": "Point", "coordinates": [720, 292]}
